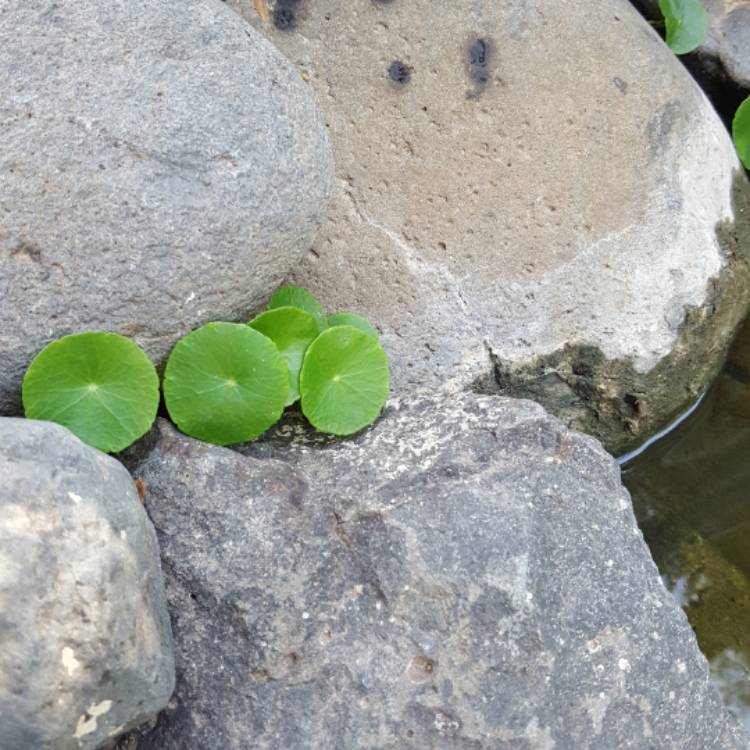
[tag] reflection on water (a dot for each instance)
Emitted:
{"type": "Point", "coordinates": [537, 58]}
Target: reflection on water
{"type": "Point", "coordinates": [691, 492]}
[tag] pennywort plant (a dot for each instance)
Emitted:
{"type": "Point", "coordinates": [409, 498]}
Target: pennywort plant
{"type": "Point", "coordinates": [741, 132]}
{"type": "Point", "coordinates": [686, 22]}
{"type": "Point", "coordinates": [101, 386]}
{"type": "Point", "coordinates": [223, 383]}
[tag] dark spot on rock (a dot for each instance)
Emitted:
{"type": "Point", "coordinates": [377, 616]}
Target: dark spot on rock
{"type": "Point", "coordinates": [451, 471]}
{"type": "Point", "coordinates": [479, 61]}
{"type": "Point", "coordinates": [106, 678]}
{"type": "Point", "coordinates": [399, 72]}
{"type": "Point", "coordinates": [660, 127]}
{"type": "Point", "coordinates": [283, 18]}
{"type": "Point", "coordinates": [632, 401]}
{"type": "Point", "coordinates": [622, 86]}
{"type": "Point", "coordinates": [31, 252]}
{"type": "Point", "coordinates": [285, 14]}
{"type": "Point", "coordinates": [582, 369]}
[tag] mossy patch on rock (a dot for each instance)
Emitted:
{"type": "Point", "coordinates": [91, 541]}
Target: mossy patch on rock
{"type": "Point", "coordinates": [610, 399]}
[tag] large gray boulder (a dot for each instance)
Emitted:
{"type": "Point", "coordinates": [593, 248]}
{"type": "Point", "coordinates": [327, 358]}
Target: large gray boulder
{"type": "Point", "coordinates": [467, 574]}
{"type": "Point", "coordinates": [85, 642]}
{"type": "Point", "coordinates": [161, 165]}
{"type": "Point", "coordinates": [528, 195]}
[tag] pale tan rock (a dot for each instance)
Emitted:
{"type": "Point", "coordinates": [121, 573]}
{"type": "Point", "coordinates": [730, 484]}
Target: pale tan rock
{"type": "Point", "coordinates": [535, 195]}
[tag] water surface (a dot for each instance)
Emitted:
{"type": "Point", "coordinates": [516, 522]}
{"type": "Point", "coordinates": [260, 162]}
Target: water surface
{"type": "Point", "coordinates": [691, 493]}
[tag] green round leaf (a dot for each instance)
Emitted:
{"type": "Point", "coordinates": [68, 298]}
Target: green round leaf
{"type": "Point", "coordinates": [225, 383]}
{"type": "Point", "coordinates": [344, 380]}
{"type": "Point", "coordinates": [741, 132]}
{"type": "Point", "coordinates": [687, 22]}
{"type": "Point", "coordinates": [296, 296]}
{"type": "Point", "coordinates": [292, 330]}
{"type": "Point", "coordinates": [350, 319]}
{"type": "Point", "coordinates": [101, 386]}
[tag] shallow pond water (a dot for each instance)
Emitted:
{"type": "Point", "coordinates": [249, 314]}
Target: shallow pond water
{"type": "Point", "coordinates": [691, 493]}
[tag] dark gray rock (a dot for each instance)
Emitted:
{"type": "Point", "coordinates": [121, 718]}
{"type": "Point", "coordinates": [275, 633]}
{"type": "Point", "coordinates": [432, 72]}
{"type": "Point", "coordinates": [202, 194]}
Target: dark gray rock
{"type": "Point", "coordinates": [161, 165]}
{"type": "Point", "coordinates": [85, 642]}
{"type": "Point", "coordinates": [467, 574]}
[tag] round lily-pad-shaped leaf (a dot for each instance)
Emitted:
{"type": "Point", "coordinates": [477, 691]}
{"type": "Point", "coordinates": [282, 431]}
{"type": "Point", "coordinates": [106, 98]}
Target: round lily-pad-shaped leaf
{"type": "Point", "coordinates": [296, 296]}
{"type": "Point", "coordinates": [225, 383]}
{"type": "Point", "coordinates": [741, 132]}
{"type": "Point", "coordinates": [292, 330]}
{"type": "Point", "coordinates": [351, 319]}
{"type": "Point", "coordinates": [686, 21]}
{"type": "Point", "coordinates": [101, 386]}
{"type": "Point", "coordinates": [344, 380]}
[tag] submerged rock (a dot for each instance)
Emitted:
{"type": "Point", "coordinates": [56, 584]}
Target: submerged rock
{"type": "Point", "coordinates": [467, 574]}
{"type": "Point", "coordinates": [85, 643]}
{"type": "Point", "coordinates": [528, 197]}
{"type": "Point", "coordinates": [162, 165]}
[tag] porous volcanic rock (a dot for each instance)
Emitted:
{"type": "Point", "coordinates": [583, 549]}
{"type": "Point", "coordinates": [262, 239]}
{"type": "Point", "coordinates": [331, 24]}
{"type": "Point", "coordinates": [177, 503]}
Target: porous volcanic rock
{"type": "Point", "coordinates": [85, 640]}
{"type": "Point", "coordinates": [528, 196]}
{"type": "Point", "coordinates": [468, 574]}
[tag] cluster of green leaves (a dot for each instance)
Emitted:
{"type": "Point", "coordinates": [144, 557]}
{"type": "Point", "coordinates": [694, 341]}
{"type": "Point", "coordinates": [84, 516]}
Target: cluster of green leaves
{"type": "Point", "coordinates": [224, 383]}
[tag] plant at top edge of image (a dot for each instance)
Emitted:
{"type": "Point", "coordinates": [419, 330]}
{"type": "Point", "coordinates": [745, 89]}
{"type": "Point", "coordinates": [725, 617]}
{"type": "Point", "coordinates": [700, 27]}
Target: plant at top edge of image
{"type": "Point", "coordinates": [224, 383]}
{"type": "Point", "coordinates": [686, 24]}
{"type": "Point", "coordinates": [741, 132]}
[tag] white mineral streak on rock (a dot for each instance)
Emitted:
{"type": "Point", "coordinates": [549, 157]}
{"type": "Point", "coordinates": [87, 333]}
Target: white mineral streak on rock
{"type": "Point", "coordinates": [87, 723]}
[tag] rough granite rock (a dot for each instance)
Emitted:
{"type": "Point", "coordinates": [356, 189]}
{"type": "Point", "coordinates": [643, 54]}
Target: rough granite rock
{"type": "Point", "coordinates": [161, 165]}
{"type": "Point", "coordinates": [85, 641]}
{"type": "Point", "coordinates": [727, 43]}
{"type": "Point", "coordinates": [467, 574]}
{"type": "Point", "coordinates": [528, 195]}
